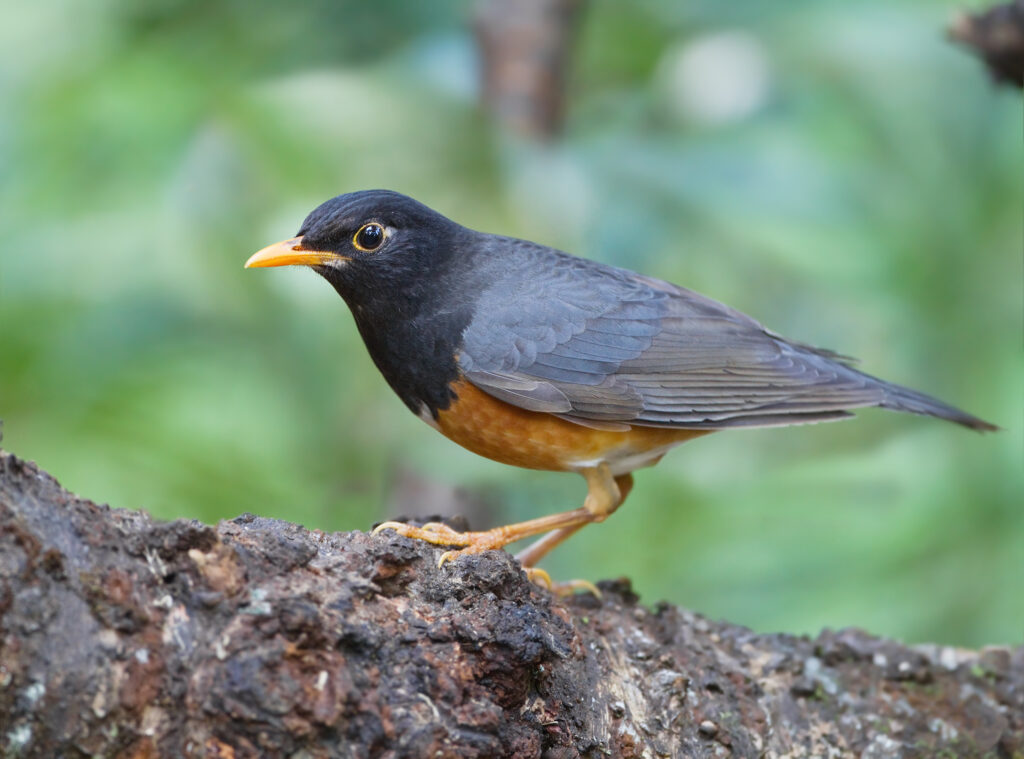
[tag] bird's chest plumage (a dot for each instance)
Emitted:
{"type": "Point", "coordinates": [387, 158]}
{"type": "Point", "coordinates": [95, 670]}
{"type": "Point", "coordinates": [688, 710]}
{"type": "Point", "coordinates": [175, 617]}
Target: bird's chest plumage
{"type": "Point", "coordinates": [413, 327]}
{"type": "Point", "coordinates": [416, 353]}
{"type": "Point", "coordinates": [512, 435]}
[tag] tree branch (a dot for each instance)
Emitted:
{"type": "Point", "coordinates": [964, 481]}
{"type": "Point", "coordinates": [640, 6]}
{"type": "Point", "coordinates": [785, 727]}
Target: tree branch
{"type": "Point", "coordinates": [125, 637]}
{"type": "Point", "coordinates": [524, 49]}
{"type": "Point", "coordinates": [997, 37]}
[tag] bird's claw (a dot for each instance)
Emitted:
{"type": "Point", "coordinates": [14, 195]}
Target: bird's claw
{"type": "Point", "coordinates": [438, 533]}
{"type": "Point", "coordinates": [570, 587]}
{"type": "Point", "coordinates": [562, 589]}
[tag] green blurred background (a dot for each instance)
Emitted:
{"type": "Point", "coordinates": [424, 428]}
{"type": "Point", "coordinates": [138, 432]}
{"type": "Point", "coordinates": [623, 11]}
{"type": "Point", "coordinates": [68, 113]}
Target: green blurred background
{"type": "Point", "coordinates": [839, 171]}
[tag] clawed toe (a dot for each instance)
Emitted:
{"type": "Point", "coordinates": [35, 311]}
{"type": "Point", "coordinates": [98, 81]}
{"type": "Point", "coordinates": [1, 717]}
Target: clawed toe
{"type": "Point", "coordinates": [538, 577]}
{"type": "Point", "coordinates": [563, 589]}
{"type": "Point", "coordinates": [571, 587]}
{"type": "Point", "coordinates": [438, 533]}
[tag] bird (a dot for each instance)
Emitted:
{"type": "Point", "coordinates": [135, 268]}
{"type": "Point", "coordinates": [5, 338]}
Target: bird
{"type": "Point", "coordinates": [536, 358]}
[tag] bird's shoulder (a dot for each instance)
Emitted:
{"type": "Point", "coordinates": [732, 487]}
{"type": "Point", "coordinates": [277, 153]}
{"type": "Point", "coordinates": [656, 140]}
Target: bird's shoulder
{"type": "Point", "coordinates": [585, 340]}
{"type": "Point", "coordinates": [532, 297]}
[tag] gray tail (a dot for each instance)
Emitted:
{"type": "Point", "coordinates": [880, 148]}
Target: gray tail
{"type": "Point", "coordinates": [901, 398]}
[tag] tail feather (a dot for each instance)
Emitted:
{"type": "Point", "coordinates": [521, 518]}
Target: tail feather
{"type": "Point", "coordinates": [901, 398]}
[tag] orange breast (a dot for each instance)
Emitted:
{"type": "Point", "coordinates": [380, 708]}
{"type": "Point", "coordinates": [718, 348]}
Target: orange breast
{"type": "Point", "coordinates": [533, 440]}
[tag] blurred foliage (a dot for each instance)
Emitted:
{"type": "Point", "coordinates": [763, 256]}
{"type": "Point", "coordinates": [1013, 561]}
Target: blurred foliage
{"type": "Point", "coordinates": [858, 187]}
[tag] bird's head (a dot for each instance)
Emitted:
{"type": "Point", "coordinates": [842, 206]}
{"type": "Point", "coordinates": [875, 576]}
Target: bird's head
{"type": "Point", "coordinates": [366, 241]}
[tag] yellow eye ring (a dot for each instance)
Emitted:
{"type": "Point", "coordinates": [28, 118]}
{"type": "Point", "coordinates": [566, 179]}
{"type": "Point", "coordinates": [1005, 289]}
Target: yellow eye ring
{"type": "Point", "coordinates": [369, 237]}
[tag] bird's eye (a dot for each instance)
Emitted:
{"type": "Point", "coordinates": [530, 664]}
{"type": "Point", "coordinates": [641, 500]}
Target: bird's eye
{"type": "Point", "coordinates": [369, 237]}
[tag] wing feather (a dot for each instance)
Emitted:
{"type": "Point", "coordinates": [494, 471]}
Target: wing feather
{"type": "Point", "coordinates": [603, 346]}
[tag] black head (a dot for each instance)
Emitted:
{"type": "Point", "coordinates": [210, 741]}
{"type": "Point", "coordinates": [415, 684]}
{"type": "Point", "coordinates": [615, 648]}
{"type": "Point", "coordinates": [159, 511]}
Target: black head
{"type": "Point", "coordinates": [368, 243]}
{"type": "Point", "coordinates": [404, 270]}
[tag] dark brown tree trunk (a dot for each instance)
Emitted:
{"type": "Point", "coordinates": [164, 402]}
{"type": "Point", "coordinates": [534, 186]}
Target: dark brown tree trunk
{"type": "Point", "coordinates": [996, 35]}
{"type": "Point", "coordinates": [125, 637]}
{"type": "Point", "coordinates": [525, 46]}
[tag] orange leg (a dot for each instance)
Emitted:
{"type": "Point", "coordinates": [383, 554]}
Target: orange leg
{"type": "Point", "coordinates": [604, 494]}
{"type": "Point", "coordinates": [529, 557]}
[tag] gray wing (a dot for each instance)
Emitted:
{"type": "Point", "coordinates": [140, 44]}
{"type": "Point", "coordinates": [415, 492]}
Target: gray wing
{"type": "Point", "coordinates": [609, 348]}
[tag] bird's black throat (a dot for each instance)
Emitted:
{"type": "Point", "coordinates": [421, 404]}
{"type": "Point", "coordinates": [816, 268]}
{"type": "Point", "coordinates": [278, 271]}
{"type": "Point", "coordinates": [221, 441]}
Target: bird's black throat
{"type": "Point", "coordinates": [412, 329]}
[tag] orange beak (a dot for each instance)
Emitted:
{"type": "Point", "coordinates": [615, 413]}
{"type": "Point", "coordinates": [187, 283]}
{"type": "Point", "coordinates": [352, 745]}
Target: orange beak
{"type": "Point", "coordinates": [291, 253]}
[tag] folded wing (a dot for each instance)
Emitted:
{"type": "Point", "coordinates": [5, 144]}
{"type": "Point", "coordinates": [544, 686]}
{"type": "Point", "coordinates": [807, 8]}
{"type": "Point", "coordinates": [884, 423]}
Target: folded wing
{"type": "Point", "coordinates": [606, 347]}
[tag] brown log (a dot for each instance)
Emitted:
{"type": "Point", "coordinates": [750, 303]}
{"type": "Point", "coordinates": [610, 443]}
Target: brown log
{"type": "Point", "coordinates": [121, 636]}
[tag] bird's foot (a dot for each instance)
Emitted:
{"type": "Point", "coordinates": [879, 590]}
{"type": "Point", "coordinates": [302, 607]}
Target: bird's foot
{"type": "Point", "coordinates": [442, 535]}
{"type": "Point", "coordinates": [477, 542]}
{"type": "Point", "coordinates": [563, 589]}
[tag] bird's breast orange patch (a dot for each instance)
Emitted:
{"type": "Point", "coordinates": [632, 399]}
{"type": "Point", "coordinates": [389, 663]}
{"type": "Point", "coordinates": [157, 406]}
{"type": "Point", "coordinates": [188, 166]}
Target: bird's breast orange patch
{"type": "Point", "coordinates": [534, 440]}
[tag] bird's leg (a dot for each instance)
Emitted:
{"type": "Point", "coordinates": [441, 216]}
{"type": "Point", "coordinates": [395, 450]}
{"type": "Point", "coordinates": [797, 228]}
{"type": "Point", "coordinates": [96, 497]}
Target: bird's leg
{"type": "Point", "coordinates": [529, 556]}
{"type": "Point", "coordinates": [603, 497]}
{"type": "Point", "coordinates": [539, 549]}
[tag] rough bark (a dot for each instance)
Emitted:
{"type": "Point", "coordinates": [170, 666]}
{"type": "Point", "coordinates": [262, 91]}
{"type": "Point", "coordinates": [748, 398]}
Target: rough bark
{"type": "Point", "coordinates": [121, 636]}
